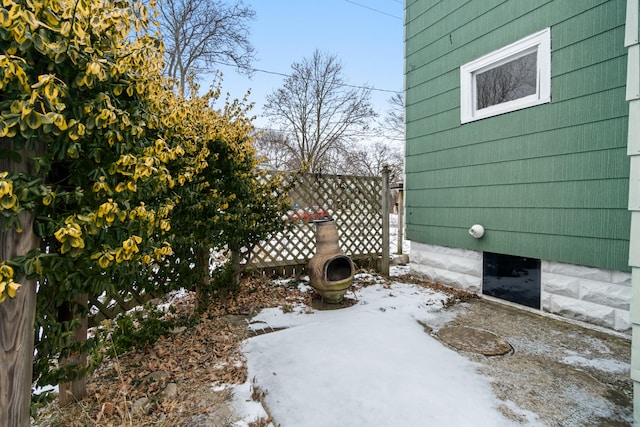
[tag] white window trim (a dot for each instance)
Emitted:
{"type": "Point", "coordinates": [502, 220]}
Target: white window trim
{"type": "Point", "coordinates": [540, 42]}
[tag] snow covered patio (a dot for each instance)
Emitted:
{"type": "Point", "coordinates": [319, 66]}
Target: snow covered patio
{"type": "Point", "coordinates": [380, 363]}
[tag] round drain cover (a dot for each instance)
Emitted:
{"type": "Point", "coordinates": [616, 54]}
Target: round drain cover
{"type": "Point", "coordinates": [474, 340]}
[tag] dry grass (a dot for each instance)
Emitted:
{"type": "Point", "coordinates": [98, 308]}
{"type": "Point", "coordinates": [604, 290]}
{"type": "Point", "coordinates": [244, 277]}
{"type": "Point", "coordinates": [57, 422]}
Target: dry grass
{"type": "Point", "coordinates": [453, 295]}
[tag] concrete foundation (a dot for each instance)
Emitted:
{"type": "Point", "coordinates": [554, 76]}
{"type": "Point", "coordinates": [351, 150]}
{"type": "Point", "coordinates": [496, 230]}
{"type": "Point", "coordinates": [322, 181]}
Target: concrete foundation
{"type": "Point", "coordinates": [596, 296]}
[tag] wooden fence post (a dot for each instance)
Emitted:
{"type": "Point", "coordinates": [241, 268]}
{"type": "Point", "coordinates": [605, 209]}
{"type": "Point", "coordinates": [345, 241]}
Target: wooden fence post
{"type": "Point", "coordinates": [384, 267]}
{"type": "Point", "coordinates": [400, 218]}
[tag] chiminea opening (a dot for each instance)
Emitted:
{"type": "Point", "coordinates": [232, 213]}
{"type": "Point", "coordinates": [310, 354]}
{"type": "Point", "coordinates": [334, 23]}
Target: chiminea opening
{"type": "Point", "coordinates": [338, 268]}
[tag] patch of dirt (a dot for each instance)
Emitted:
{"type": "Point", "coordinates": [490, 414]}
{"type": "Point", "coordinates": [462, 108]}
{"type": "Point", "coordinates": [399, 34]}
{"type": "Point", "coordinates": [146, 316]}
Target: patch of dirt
{"type": "Point", "coordinates": [172, 382]}
{"type": "Point", "coordinates": [565, 373]}
{"type": "Point", "coordinates": [455, 295]}
{"type": "Point", "coordinates": [465, 338]}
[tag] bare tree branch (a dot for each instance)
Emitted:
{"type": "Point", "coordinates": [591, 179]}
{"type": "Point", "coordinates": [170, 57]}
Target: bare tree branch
{"type": "Point", "coordinates": [392, 126]}
{"type": "Point", "coordinates": [276, 149]}
{"type": "Point", "coordinates": [196, 33]}
{"type": "Point", "coordinates": [370, 158]}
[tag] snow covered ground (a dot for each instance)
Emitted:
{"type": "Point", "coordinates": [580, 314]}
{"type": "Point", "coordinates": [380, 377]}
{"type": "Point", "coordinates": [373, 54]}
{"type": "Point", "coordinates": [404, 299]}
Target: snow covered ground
{"type": "Point", "coordinates": [371, 364]}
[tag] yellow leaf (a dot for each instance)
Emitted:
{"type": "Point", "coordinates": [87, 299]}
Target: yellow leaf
{"type": "Point", "coordinates": [51, 18]}
{"type": "Point", "coordinates": [60, 121]}
{"type": "Point", "coordinates": [76, 242]}
{"type": "Point", "coordinates": [25, 109]}
{"type": "Point", "coordinates": [8, 201]}
{"type": "Point", "coordinates": [31, 19]}
{"type": "Point", "coordinates": [51, 92]}
{"type": "Point", "coordinates": [93, 68]}
{"type": "Point", "coordinates": [6, 271]}
{"type": "Point", "coordinates": [33, 120]}
{"type": "Point", "coordinates": [59, 235]}
{"type": "Point", "coordinates": [6, 187]}
{"type": "Point", "coordinates": [74, 150]}
{"type": "Point", "coordinates": [104, 261]}
{"type": "Point", "coordinates": [47, 199]}
{"type": "Point", "coordinates": [5, 20]}
{"type": "Point", "coordinates": [65, 30]}
{"type": "Point", "coordinates": [13, 287]}
{"type": "Point", "coordinates": [78, 31]}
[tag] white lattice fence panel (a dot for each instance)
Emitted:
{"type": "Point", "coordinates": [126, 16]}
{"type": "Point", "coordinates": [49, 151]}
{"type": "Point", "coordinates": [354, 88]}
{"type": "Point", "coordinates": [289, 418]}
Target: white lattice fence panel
{"type": "Point", "coordinates": [355, 203]}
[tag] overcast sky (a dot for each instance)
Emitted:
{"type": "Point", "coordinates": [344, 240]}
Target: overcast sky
{"type": "Point", "coordinates": [366, 35]}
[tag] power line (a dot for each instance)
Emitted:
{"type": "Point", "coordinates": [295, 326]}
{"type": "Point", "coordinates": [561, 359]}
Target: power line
{"type": "Point", "coordinates": [374, 10]}
{"type": "Point", "coordinates": [365, 135]}
{"type": "Point", "coordinates": [276, 73]}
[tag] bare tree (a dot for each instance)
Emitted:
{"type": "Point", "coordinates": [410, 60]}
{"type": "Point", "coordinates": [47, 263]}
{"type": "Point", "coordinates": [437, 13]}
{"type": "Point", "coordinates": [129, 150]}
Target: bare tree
{"type": "Point", "coordinates": [387, 148]}
{"type": "Point", "coordinates": [393, 124]}
{"type": "Point", "coordinates": [276, 149]}
{"type": "Point", "coordinates": [320, 111]}
{"type": "Point", "coordinates": [370, 158]}
{"type": "Point", "coordinates": [196, 33]}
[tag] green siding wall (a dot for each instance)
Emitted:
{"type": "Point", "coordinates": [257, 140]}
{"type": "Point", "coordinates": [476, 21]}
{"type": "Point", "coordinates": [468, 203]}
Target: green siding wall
{"type": "Point", "coordinates": [549, 181]}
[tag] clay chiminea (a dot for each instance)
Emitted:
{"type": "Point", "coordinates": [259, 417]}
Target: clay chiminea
{"type": "Point", "coordinates": [330, 270]}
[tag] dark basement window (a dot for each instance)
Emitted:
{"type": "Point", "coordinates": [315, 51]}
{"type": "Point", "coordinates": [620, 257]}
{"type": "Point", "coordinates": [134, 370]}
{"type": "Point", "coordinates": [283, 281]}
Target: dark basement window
{"type": "Point", "coordinates": [511, 278]}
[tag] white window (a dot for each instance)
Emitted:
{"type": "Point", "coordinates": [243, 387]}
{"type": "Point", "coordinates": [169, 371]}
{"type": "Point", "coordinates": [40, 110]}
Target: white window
{"type": "Point", "coordinates": [508, 79]}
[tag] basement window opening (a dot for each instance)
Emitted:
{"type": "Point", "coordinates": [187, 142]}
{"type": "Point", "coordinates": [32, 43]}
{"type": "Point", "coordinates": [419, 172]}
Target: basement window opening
{"type": "Point", "coordinates": [511, 278]}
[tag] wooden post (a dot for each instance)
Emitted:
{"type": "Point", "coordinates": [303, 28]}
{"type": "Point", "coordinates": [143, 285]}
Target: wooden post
{"type": "Point", "coordinates": [384, 266]}
{"type": "Point", "coordinates": [17, 315]}
{"type": "Point", "coordinates": [400, 218]}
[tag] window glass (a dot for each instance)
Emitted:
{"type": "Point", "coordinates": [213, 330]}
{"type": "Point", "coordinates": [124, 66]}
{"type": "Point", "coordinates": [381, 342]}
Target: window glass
{"type": "Point", "coordinates": [507, 82]}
